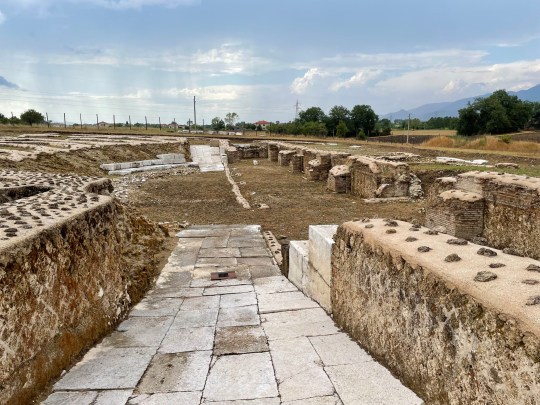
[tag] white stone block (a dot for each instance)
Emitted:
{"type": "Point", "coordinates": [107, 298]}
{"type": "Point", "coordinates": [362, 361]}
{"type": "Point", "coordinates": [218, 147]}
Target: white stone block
{"type": "Point", "coordinates": [317, 288]}
{"type": "Point", "coordinates": [298, 261]}
{"type": "Point", "coordinates": [320, 249]}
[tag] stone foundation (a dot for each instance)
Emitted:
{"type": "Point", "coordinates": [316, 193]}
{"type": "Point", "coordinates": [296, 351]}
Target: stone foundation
{"type": "Point", "coordinates": [296, 165]}
{"type": "Point", "coordinates": [284, 157]}
{"type": "Point", "coordinates": [71, 264]}
{"type": "Point", "coordinates": [456, 326]}
{"type": "Point", "coordinates": [371, 178]}
{"type": "Point", "coordinates": [339, 179]}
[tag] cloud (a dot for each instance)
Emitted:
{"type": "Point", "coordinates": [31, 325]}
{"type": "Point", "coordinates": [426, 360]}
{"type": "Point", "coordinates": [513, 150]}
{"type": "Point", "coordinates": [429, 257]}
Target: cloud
{"type": "Point", "coordinates": [360, 78]}
{"type": "Point", "coordinates": [42, 5]}
{"type": "Point", "coordinates": [301, 84]}
{"type": "Point", "coordinates": [215, 93]}
{"type": "Point", "coordinates": [2, 17]}
{"type": "Point", "coordinates": [8, 84]}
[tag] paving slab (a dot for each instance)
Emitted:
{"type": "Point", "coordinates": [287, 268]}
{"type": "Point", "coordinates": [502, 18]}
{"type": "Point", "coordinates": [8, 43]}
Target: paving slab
{"type": "Point", "coordinates": [244, 376]}
{"type": "Point", "coordinates": [263, 271]}
{"type": "Point", "coordinates": [139, 332]}
{"type": "Point", "coordinates": [256, 261]}
{"type": "Point", "coordinates": [104, 368]}
{"type": "Point", "coordinates": [370, 384]}
{"type": "Point", "coordinates": [203, 233]}
{"type": "Point", "coordinates": [253, 242]}
{"type": "Point", "coordinates": [293, 324]}
{"type": "Point", "coordinates": [179, 398]}
{"type": "Point", "coordinates": [332, 400]}
{"type": "Point", "coordinates": [200, 303]}
{"type": "Point", "coordinates": [299, 370]}
{"type": "Point", "coordinates": [238, 300]}
{"type": "Point", "coordinates": [169, 372]}
{"type": "Point", "coordinates": [240, 339]}
{"type": "Point", "coordinates": [339, 349]}
{"type": "Point", "coordinates": [260, 401]}
{"type": "Point", "coordinates": [196, 318]}
{"type": "Point", "coordinates": [220, 252]}
{"type": "Point", "coordinates": [216, 262]}
{"type": "Point", "coordinates": [179, 340]}
{"type": "Point", "coordinates": [216, 242]}
{"type": "Point", "coordinates": [272, 285]}
{"type": "Point", "coordinates": [157, 306]}
{"type": "Point", "coordinates": [285, 301]}
{"type": "Point", "coordinates": [219, 283]}
{"type": "Point", "coordinates": [112, 397]}
{"type": "Point", "coordinates": [238, 316]}
{"type": "Point", "coordinates": [254, 252]}
{"type": "Point", "coordinates": [235, 289]}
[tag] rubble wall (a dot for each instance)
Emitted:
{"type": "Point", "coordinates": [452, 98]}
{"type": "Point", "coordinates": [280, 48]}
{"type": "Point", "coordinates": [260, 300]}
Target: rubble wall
{"type": "Point", "coordinates": [65, 283]}
{"type": "Point", "coordinates": [452, 335]}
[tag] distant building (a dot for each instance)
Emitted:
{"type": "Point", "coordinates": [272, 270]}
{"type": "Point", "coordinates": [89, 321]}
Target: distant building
{"type": "Point", "coordinates": [263, 124]}
{"type": "Point", "coordinates": [103, 124]}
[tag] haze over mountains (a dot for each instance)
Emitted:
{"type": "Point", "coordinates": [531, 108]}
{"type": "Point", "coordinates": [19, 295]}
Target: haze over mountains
{"type": "Point", "coordinates": [451, 108]}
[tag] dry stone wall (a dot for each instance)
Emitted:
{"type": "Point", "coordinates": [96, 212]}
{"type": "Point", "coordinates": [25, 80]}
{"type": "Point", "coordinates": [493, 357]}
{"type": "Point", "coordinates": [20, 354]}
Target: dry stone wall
{"type": "Point", "coordinates": [72, 260]}
{"type": "Point", "coordinates": [456, 322]}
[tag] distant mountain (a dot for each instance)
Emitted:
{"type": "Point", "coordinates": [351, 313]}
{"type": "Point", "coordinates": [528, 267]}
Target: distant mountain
{"type": "Point", "coordinates": [451, 108]}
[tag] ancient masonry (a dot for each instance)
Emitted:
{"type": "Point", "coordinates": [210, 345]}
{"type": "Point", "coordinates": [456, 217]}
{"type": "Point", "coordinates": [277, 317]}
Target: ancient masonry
{"type": "Point", "coordinates": [363, 176]}
{"type": "Point", "coordinates": [71, 262]}
{"type": "Point", "coordinates": [501, 208]}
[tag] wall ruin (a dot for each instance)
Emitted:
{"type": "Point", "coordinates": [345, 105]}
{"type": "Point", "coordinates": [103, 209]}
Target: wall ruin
{"type": "Point", "coordinates": [457, 323]}
{"type": "Point", "coordinates": [72, 260]}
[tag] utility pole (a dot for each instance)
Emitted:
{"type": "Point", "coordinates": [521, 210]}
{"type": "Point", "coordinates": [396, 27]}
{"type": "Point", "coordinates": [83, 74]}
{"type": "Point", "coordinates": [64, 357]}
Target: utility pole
{"type": "Point", "coordinates": [48, 123]}
{"type": "Point", "coordinates": [80, 119]}
{"type": "Point", "coordinates": [12, 120]}
{"type": "Point", "coordinates": [159, 118]}
{"type": "Point", "coordinates": [297, 110]}
{"type": "Point", "coordinates": [408, 128]}
{"type": "Point", "coordinates": [129, 122]}
{"type": "Point", "coordinates": [64, 120]}
{"type": "Point", "coordinates": [195, 114]}
{"type": "Point", "coordinates": [203, 126]}
{"type": "Point", "coordinates": [97, 121]}
{"type": "Point", "coordinates": [145, 123]}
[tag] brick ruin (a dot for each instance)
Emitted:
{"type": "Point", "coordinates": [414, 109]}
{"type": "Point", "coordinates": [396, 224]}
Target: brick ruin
{"type": "Point", "coordinates": [72, 260]}
{"type": "Point", "coordinates": [499, 207]}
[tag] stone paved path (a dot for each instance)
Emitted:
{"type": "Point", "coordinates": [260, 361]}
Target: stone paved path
{"type": "Point", "coordinates": [208, 158]}
{"type": "Point", "coordinates": [246, 341]}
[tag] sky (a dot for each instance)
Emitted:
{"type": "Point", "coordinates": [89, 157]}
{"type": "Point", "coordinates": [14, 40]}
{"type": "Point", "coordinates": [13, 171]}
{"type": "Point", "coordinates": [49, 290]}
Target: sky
{"type": "Point", "coordinates": [258, 58]}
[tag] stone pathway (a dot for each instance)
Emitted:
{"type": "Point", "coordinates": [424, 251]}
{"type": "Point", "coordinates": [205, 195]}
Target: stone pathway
{"type": "Point", "coordinates": [254, 340]}
{"type": "Point", "coordinates": [207, 157]}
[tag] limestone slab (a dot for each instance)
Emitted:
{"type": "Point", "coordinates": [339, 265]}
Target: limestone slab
{"type": "Point", "coordinates": [285, 301]}
{"type": "Point", "coordinates": [216, 242]}
{"type": "Point", "coordinates": [169, 372]}
{"type": "Point", "coordinates": [216, 262]}
{"type": "Point", "coordinates": [298, 262]}
{"type": "Point", "coordinates": [174, 292]}
{"type": "Point", "coordinates": [240, 339]}
{"type": "Point", "coordinates": [239, 316]}
{"type": "Point", "coordinates": [105, 368]}
{"type": "Point", "coordinates": [299, 370]}
{"type": "Point", "coordinates": [264, 271]}
{"type": "Point", "coordinates": [235, 289]}
{"type": "Point", "coordinates": [369, 383]}
{"type": "Point", "coordinates": [156, 306]}
{"type": "Point", "coordinates": [195, 319]}
{"type": "Point", "coordinates": [199, 282]}
{"type": "Point", "coordinates": [244, 376]}
{"type": "Point", "coordinates": [339, 349]}
{"type": "Point", "coordinates": [180, 398]}
{"type": "Point", "coordinates": [174, 280]}
{"type": "Point", "coordinates": [139, 332]}
{"type": "Point", "coordinates": [256, 261]}
{"type": "Point", "coordinates": [202, 233]}
{"type": "Point", "coordinates": [243, 242]}
{"type": "Point", "coordinates": [272, 285]}
{"type": "Point", "coordinates": [238, 300]}
{"type": "Point", "coordinates": [332, 400]}
{"type": "Point", "coordinates": [320, 249]}
{"type": "Point", "coordinates": [187, 340]}
{"type": "Point", "coordinates": [316, 288]}
{"type": "Point", "coordinates": [260, 401]}
{"type": "Point", "coordinates": [254, 252]}
{"type": "Point", "coordinates": [200, 303]}
{"type": "Point", "coordinates": [219, 252]}
{"type": "Point", "coordinates": [292, 324]}
{"type": "Point", "coordinates": [112, 397]}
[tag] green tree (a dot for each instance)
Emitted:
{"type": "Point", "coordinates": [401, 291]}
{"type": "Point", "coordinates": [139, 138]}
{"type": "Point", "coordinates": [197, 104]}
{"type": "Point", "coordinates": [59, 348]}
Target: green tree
{"type": "Point", "coordinates": [342, 129]}
{"type": "Point", "coordinates": [534, 121]}
{"type": "Point", "coordinates": [31, 117]}
{"type": "Point", "coordinates": [314, 128]}
{"type": "Point", "coordinates": [312, 114]}
{"type": "Point", "coordinates": [218, 124]}
{"type": "Point", "coordinates": [337, 114]}
{"type": "Point", "coordinates": [363, 118]}
{"type": "Point", "coordinates": [3, 119]}
{"type": "Point", "coordinates": [230, 119]}
{"type": "Point", "coordinates": [468, 121]}
{"type": "Point", "coordinates": [384, 127]}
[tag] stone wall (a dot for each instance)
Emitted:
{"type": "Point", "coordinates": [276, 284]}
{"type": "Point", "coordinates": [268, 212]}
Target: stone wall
{"type": "Point", "coordinates": [454, 322]}
{"type": "Point", "coordinates": [71, 264]}
{"type": "Point", "coordinates": [511, 215]}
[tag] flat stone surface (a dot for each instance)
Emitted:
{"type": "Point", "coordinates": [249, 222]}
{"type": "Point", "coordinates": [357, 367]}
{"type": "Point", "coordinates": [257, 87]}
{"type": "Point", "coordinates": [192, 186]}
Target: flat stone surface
{"type": "Point", "coordinates": [238, 316]}
{"type": "Point", "coordinates": [332, 400]}
{"type": "Point", "coordinates": [216, 242]}
{"type": "Point", "coordinates": [263, 271]}
{"type": "Point", "coordinates": [220, 252]}
{"type": "Point", "coordinates": [180, 398]}
{"type": "Point", "coordinates": [256, 261]}
{"type": "Point", "coordinates": [299, 370]}
{"type": "Point", "coordinates": [339, 349]}
{"type": "Point", "coordinates": [104, 368]}
{"type": "Point", "coordinates": [112, 397]}
{"type": "Point", "coordinates": [260, 401]}
{"type": "Point", "coordinates": [200, 303]}
{"type": "Point", "coordinates": [240, 339]}
{"type": "Point", "coordinates": [174, 292]}
{"type": "Point", "coordinates": [370, 384]}
{"type": "Point", "coordinates": [292, 324]}
{"type": "Point", "coordinates": [219, 283]}
{"type": "Point", "coordinates": [284, 301]}
{"type": "Point", "coordinates": [188, 340]}
{"type": "Point", "coordinates": [235, 289]}
{"type": "Point", "coordinates": [254, 252]}
{"type": "Point", "coordinates": [170, 372]}
{"type": "Point", "coordinates": [240, 242]}
{"type": "Point", "coordinates": [238, 300]}
{"type": "Point", "coordinates": [244, 376]}
{"type": "Point", "coordinates": [139, 332]}
{"type": "Point", "coordinates": [216, 262]}
{"type": "Point", "coordinates": [195, 319]}
{"type": "Point", "coordinates": [271, 285]}
{"type": "Point", "coordinates": [156, 306]}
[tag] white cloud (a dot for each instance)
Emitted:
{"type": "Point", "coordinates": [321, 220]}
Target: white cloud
{"type": "Point", "coordinates": [215, 93]}
{"type": "Point", "coordinates": [42, 5]}
{"type": "Point", "coordinates": [2, 17]}
{"type": "Point", "coordinates": [360, 78]}
{"type": "Point", "coordinates": [301, 84]}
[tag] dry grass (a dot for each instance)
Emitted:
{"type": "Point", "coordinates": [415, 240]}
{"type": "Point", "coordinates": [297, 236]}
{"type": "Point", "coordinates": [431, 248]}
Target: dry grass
{"type": "Point", "coordinates": [488, 143]}
{"type": "Point", "coordinates": [440, 132]}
